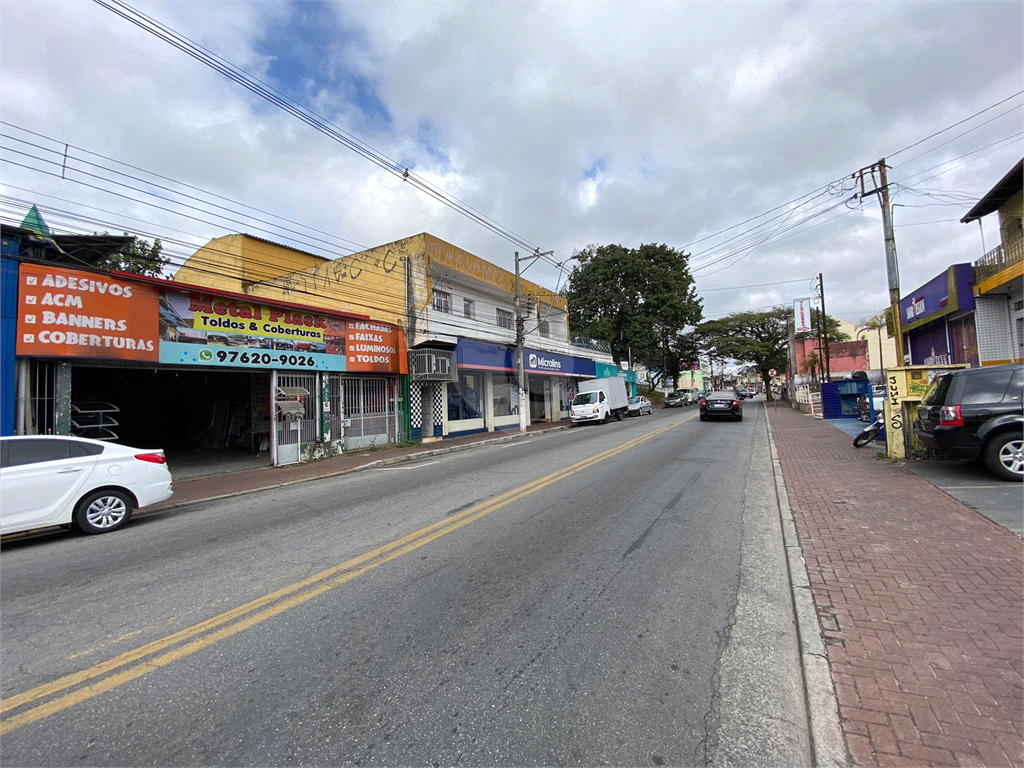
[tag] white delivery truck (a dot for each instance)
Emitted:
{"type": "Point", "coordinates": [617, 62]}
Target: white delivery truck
{"type": "Point", "coordinates": [600, 400]}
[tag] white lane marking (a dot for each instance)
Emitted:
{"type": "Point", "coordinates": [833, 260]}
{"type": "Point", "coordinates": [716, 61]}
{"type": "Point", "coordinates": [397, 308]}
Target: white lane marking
{"type": "Point", "coordinates": [407, 466]}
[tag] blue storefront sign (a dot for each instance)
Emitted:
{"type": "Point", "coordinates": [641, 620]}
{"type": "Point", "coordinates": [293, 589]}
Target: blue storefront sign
{"type": "Point", "coordinates": [476, 354]}
{"type": "Point", "coordinates": [947, 293]}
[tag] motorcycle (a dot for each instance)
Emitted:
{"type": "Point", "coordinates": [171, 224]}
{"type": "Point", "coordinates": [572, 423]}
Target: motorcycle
{"type": "Point", "coordinates": [873, 431]}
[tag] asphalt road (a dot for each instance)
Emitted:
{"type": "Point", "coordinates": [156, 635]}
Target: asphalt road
{"type": "Point", "coordinates": [609, 594]}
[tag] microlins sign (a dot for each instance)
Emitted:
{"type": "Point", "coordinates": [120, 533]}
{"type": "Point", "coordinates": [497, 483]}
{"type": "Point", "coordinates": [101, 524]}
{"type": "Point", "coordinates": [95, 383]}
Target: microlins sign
{"type": "Point", "coordinates": [539, 362]}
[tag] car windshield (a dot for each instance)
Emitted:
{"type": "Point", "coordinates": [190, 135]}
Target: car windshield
{"type": "Point", "coordinates": [634, 400]}
{"type": "Point", "coordinates": [722, 396]}
{"type": "Point", "coordinates": [585, 398]}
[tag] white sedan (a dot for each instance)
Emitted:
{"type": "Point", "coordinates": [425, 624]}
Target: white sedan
{"type": "Point", "coordinates": [638, 406]}
{"type": "Point", "coordinates": [94, 486]}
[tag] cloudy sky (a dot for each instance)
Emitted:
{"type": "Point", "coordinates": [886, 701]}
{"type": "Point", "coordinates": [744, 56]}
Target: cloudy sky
{"type": "Point", "coordinates": [727, 129]}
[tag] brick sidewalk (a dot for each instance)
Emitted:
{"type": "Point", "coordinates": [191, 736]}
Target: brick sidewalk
{"type": "Point", "coordinates": [920, 601]}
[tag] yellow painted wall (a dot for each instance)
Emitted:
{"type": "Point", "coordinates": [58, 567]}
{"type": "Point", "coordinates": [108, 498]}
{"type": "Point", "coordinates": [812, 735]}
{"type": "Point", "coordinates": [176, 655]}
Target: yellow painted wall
{"type": "Point", "coordinates": [370, 282]}
{"type": "Point", "coordinates": [465, 263]}
{"type": "Point", "coordinates": [232, 261]}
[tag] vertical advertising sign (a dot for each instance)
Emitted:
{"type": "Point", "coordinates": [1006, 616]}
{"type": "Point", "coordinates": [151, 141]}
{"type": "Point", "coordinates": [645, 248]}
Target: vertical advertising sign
{"type": "Point", "coordinates": [68, 313]}
{"type": "Point", "coordinates": [375, 347]}
{"type": "Point", "coordinates": [802, 315]}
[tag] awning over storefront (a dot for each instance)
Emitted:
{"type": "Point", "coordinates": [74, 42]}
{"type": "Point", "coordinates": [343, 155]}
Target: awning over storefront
{"type": "Point", "coordinates": [491, 357]}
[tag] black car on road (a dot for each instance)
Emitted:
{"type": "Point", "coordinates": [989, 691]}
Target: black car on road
{"type": "Point", "coordinates": [721, 405]}
{"type": "Point", "coordinates": [676, 399]}
{"type": "Point", "coordinates": [977, 413]}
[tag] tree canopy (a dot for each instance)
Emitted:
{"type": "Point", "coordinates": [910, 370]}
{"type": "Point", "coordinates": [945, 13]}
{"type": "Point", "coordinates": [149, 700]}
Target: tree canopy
{"type": "Point", "coordinates": [140, 257]}
{"type": "Point", "coordinates": [760, 339]}
{"type": "Point", "coordinates": [832, 332]}
{"type": "Point", "coordinates": [639, 300]}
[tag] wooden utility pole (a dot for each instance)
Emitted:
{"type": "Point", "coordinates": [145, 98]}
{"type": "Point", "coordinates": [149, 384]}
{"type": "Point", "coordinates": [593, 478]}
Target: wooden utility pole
{"type": "Point", "coordinates": [891, 263]}
{"type": "Point", "coordinates": [826, 363]}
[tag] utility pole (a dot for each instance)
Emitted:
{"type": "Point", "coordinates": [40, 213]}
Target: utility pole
{"type": "Point", "coordinates": [891, 263]}
{"type": "Point", "coordinates": [521, 374]}
{"type": "Point", "coordinates": [521, 339]}
{"type": "Point", "coordinates": [824, 327]}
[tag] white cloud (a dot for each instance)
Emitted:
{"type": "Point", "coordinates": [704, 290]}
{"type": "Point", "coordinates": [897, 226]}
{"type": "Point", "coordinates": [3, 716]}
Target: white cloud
{"type": "Point", "coordinates": [703, 115]}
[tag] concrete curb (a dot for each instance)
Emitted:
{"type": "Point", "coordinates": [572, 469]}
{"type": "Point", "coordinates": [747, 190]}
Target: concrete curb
{"type": "Point", "coordinates": [370, 465]}
{"type": "Point", "coordinates": [828, 745]}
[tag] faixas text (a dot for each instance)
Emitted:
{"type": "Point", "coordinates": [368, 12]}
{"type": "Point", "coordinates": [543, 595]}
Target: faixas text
{"type": "Point", "coordinates": [209, 306]}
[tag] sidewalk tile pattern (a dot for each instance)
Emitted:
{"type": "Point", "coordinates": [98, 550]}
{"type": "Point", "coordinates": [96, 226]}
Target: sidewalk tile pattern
{"type": "Point", "coordinates": [920, 603]}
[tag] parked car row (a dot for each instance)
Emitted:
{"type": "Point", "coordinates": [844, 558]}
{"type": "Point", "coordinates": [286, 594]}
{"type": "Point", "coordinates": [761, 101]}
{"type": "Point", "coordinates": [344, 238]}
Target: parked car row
{"type": "Point", "coordinates": [684, 396]}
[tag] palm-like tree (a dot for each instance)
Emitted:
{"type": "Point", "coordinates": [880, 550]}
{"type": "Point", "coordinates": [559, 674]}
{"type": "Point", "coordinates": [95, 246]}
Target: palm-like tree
{"type": "Point", "coordinates": [811, 365]}
{"type": "Point", "coordinates": [875, 323]}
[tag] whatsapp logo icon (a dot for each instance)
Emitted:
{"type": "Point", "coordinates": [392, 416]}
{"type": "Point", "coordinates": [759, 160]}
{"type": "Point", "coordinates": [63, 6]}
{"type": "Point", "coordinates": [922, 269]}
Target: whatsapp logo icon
{"type": "Point", "coordinates": [205, 355]}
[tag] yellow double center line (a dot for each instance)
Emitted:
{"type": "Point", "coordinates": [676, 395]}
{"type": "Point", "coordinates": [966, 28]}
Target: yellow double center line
{"type": "Point", "coordinates": [160, 653]}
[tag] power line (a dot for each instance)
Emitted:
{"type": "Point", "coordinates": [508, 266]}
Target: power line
{"type": "Point", "coordinates": [167, 179]}
{"type": "Point", "coordinates": [954, 125]}
{"type": "Point", "coordinates": [756, 285]}
{"type": "Point", "coordinates": [224, 67]}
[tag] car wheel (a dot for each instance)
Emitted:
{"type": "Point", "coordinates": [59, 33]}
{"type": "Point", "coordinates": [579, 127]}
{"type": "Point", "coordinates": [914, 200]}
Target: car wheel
{"type": "Point", "coordinates": [740, 417]}
{"type": "Point", "coordinates": [1004, 456]}
{"type": "Point", "coordinates": [703, 417]}
{"type": "Point", "coordinates": [102, 512]}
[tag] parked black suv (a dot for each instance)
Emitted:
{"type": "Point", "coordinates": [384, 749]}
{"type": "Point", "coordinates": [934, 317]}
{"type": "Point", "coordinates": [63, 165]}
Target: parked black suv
{"type": "Point", "coordinates": [977, 413]}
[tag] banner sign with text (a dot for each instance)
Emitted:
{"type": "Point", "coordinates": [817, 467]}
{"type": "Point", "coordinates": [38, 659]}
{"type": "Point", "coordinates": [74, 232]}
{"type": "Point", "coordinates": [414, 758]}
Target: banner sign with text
{"type": "Point", "coordinates": [802, 315]}
{"type": "Point", "coordinates": [68, 313]}
{"type": "Point", "coordinates": [206, 329]}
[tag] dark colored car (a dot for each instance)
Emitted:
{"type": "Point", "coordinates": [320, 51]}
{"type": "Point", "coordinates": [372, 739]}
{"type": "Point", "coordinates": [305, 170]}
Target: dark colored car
{"type": "Point", "coordinates": [977, 413]}
{"type": "Point", "coordinates": [675, 399]}
{"type": "Point", "coordinates": [721, 405]}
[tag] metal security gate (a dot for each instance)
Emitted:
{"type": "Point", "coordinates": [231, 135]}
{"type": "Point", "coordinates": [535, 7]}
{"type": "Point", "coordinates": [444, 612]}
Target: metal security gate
{"type": "Point", "coordinates": [371, 410]}
{"type": "Point", "coordinates": [295, 409]}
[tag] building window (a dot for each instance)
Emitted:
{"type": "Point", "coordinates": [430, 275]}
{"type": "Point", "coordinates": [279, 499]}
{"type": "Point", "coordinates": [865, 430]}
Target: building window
{"type": "Point", "coordinates": [467, 308]}
{"type": "Point", "coordinates": [545, 328]}
{"type": "Point", "coordinates": [442, 301]}
{"type": "Point", "coordinates": [505, 319]}
{"type": "Point", "coordinates": [465, 397]}
{"type": "Point", "coordinates": [506, 395]}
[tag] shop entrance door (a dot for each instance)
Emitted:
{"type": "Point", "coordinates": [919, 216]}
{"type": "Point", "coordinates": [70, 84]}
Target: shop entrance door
{"type": "Point", "coordinates": [371, 411]}
{"type": "Point", "coordinates": [295, 407]}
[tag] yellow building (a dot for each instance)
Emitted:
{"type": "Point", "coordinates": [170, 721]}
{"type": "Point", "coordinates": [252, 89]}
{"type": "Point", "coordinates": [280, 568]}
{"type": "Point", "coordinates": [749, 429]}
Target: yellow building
{"type": "Point", "coordinates": [458, 313]}
{"type": "Point", "coordinates": [998, 287]}
{"type": "Point", "coordinates": [377, 282]}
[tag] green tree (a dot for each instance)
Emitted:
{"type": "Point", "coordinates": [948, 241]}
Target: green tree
{"type": "Point", "coordinates": [140, 257]}
{"type": "Point", "coordinates": [760, 339]}
{"type": "Point", "coordinates": [811, 365]}
{"type": "Point", "coordinates": [832, 332]}
{"type": "Point", "coordinates": [639, 300]}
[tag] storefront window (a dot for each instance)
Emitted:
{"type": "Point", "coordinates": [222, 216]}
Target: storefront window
{"type": "Point", "coordinates": [465, 397]}
{"type": "Point", "coordinates": [506, 396]}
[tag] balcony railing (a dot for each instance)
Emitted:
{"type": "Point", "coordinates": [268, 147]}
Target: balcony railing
{"type": "Point", "coordinates": [591, 344]}
{"type": "Point", "coordinates": [998, 259]}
